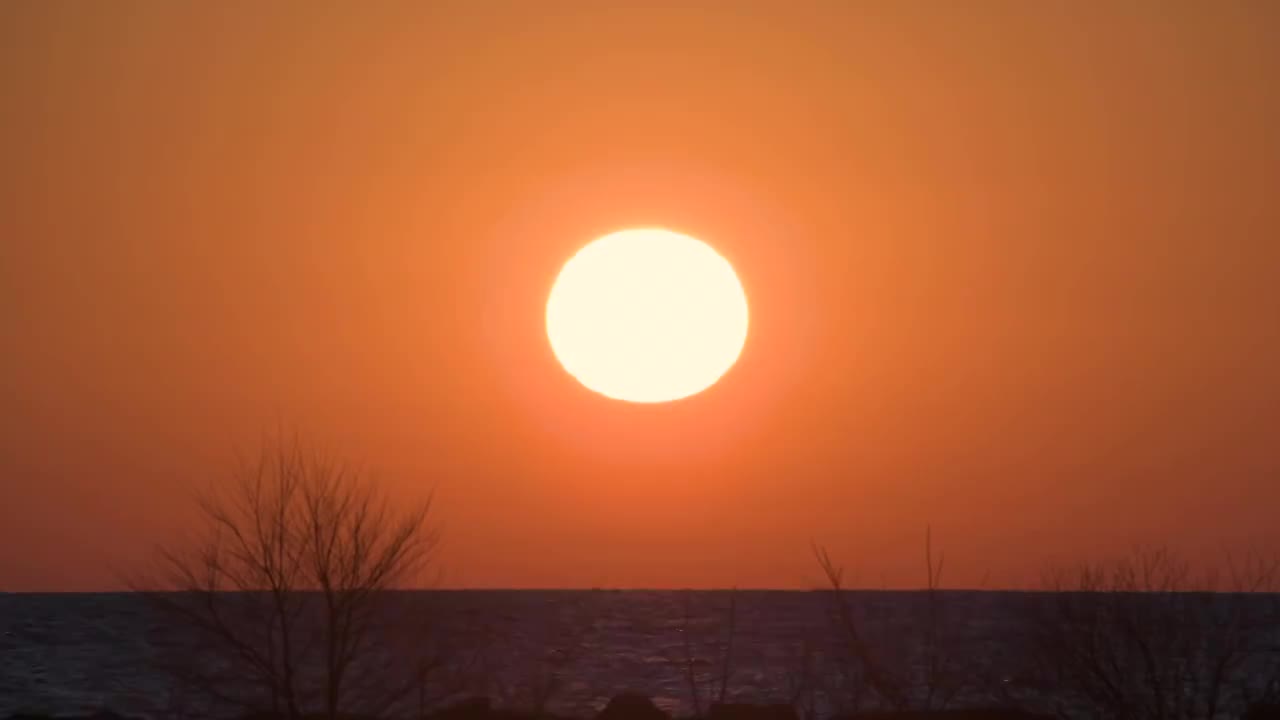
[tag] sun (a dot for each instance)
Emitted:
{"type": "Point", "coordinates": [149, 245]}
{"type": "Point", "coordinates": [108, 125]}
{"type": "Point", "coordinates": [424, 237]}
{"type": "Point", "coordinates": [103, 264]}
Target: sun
{"type": "Point", "coordinates": [647, 316]}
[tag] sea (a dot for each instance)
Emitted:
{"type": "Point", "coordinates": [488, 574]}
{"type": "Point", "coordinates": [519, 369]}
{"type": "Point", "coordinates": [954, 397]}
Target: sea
{"type": "Point", "coordinates": [567, 652]}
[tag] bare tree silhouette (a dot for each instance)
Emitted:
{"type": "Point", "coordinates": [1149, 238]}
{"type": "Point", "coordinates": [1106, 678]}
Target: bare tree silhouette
{"type": "Point", "coordinates": [931, 681]}
{"type": "Point", "coordinates": [288, 590]}
{"type": "Point", "coordinates": [1146, 638]}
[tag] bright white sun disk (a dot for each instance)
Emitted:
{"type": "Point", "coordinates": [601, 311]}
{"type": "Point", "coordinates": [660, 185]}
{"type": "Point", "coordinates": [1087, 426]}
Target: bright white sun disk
{"type": "Point", "coordinates": [647, 316]}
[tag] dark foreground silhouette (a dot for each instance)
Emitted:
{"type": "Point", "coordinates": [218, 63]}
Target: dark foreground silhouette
{"type": "Point", "coordinates": [632, 706]}
{"type": "Point", "coordinates": [629, 706]}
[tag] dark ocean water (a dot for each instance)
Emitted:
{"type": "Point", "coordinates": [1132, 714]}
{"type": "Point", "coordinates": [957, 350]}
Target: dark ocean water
{"type": "Point", "coordinates": [64, 654]}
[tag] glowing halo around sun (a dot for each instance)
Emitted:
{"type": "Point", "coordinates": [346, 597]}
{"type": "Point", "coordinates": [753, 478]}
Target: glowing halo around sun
{"type": "Point", "coordinates": [647, 316]}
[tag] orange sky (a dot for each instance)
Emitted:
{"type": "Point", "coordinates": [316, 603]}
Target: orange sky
{"type": "Point", "coordinates": [1012, 270]}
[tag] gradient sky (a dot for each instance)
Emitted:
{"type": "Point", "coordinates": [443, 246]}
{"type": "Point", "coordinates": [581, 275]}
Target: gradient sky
{"type": "Point", "coordinates": [1013, 271]}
